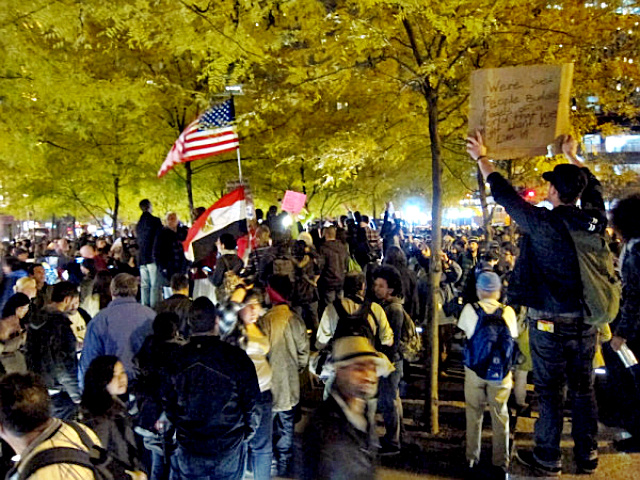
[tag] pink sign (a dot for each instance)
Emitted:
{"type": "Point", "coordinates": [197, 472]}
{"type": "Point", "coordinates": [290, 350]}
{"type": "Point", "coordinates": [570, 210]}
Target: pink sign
{"type": "Point", "coordinates": [293, 202]}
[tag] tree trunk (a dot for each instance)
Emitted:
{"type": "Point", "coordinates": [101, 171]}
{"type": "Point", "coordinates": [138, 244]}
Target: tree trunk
{"type": "Point", "coordinates": [483, 203]}
{"type": "Point", "coordinates": [189, 183]}
{"type": "Point", "coordinates": [373, 206]}
{"type": "Point", "coordinates": [431, 337]}
{"type": "Point", "coordinates": [304, 182]}
{"type": "Point", "coordinates": [510, 170]}
{"type": "Point", "coordinates": [116, 205]}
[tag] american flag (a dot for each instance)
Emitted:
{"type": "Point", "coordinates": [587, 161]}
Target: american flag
{"type": "Point", "coordinates": [208, 135]}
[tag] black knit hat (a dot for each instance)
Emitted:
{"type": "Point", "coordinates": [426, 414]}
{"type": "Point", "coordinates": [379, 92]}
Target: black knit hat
{"type": "Point", "coordinates": [569, 180]}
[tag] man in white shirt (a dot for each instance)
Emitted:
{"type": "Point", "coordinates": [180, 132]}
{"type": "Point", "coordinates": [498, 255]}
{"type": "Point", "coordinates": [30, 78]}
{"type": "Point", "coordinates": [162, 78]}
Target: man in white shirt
{"type": "Point", "coordinates": [354, 290]}
{"type": "Point", "coordinates": [479, 391]}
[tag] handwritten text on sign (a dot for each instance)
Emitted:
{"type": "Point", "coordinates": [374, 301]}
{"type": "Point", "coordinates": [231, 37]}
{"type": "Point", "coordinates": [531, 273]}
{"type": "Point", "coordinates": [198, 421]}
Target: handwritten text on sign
{"type": "Point", "coordinates": [521, 110]}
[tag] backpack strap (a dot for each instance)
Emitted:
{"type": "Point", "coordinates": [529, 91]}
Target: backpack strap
{"type": "Point", "coordinates": [97, 454]}
{"type": "Point", "coordinates": [478, 309]}
{"type": "Point", "coordinates": [84, 436]}
{"type": "Point", "coordinates": [53, 456]}
{"type": "Point", "coordinates": [340, 310]}
{"type": "Point", "coordinates": [365, 310]}
{"type": "Point", "coordinates": [226, 264]}
{"type": "Point", "coordinates": [481, 315]}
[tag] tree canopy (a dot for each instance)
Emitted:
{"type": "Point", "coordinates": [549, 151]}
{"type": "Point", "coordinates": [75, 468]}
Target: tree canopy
{"type": "Point", "coordinates": [338, 96]}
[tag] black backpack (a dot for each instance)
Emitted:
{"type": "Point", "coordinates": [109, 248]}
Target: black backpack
{"type": "Point", "coordinates": [283, 266]}
{"type": "Point", "coordinates": [97, 459]}
{"type": "Point", "coordinates": [349, 325]}
{"type": "Point", "coordinates": [491, 351]}
{"type": "Point", "coordinates": [355, 324]}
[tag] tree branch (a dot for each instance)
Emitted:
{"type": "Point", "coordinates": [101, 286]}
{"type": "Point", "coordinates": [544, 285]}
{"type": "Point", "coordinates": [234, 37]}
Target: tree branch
{"type": "Point", "coordinates": [412, 41]}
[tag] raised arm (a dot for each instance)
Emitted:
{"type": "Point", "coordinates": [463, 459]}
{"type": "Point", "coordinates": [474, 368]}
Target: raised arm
{"type": "Point", "coordinates": [478, 151]}
{"type": "Point", "coordinates": [525, 214]}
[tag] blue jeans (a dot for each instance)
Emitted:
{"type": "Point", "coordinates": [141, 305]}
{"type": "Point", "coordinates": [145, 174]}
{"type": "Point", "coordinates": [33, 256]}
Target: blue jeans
{"type": "Point", "coordinates": [62, 406]}
{"type": "Point", "coordinates": [564, 356]}
{"type": "Point", "coordinates": [260, 446]}
{"type": "Point", "coordinates": [149, 290]}
{"type": "Point", "coordinates": [327, 296]}
{"type": "Point", "coordinates": [219, 466]}
{"type": "Point", "coordinates": [283, 426]}
{"type": "Point", "coordinates": [390, 405]}
{"type": "Point", "coordinates": [159, 464]}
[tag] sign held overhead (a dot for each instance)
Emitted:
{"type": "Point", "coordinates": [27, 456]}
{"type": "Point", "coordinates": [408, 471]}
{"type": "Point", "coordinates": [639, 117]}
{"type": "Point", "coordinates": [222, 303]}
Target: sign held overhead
{"type": "Point", "coordinates": [520, 110]}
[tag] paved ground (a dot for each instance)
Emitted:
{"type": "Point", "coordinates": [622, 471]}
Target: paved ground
{"type": "Point", "coordinates": [442, 456]}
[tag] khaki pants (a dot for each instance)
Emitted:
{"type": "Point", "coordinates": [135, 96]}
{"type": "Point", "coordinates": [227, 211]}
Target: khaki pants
{"type": "Point", "coordinates": [477, 393]}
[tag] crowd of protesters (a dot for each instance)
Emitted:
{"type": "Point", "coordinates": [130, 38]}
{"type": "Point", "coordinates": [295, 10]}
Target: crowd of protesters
{"type": "Point", "coordinates": [197, 370]}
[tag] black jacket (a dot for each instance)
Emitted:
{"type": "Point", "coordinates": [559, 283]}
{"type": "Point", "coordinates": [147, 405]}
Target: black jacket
{"type": "Point", "coordinates": [305, 289]}
{"type": "Point", "coordinates": [395, 315]}
{"type": "Point", "coordinates": [628, 326]}
{"type": "Point", "coordinates": [210, 396]}
{"type": "Point", "coordinates": [50, 351]}
{"type": "Point", "coordinates": [335, 259]}
{"type": "Point", "coordinates": [151, 364]}
{"type": "Point", "coordinates": [334, 449]}
{"type": "Point", "coordinates": [168, 252]}
{"type": "Point", "coordinates": [223, 265]}
{"type": "Point", "coordinates": [260, 265]}
{"type": "Point", "coordinates": [547, 275]}
{"type": "Point", "coordinates": [115, 431]}
{"type": "Point", "coordinates": [146, 232]}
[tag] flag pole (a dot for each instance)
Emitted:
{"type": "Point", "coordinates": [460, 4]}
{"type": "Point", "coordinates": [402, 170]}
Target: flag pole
{"type": "Point", "coordinates": [239, 164]}
{"type": "Point", "coordinates": [233, 90]}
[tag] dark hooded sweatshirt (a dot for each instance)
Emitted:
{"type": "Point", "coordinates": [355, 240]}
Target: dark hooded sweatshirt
{"type": "Point", "coordinates": [546, 275]}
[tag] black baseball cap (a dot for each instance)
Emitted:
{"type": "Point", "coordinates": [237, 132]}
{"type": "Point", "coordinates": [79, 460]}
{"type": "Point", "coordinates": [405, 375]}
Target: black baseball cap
{"type": "Point", "coordinates": [569, 180]}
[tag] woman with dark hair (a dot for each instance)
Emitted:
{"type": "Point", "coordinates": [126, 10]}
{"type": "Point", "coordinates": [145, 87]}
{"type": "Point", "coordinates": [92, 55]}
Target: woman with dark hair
{"type": "Point", "coordinates": [105, 413]}
{"type": "Point", "coordinates": [624, 218]}
{"type": "Point", "coordinates": [100, 294]}
{"type": "Point", "coordinates": [12, 335]}
{"type": "Point", "coordinates": [247, 335]}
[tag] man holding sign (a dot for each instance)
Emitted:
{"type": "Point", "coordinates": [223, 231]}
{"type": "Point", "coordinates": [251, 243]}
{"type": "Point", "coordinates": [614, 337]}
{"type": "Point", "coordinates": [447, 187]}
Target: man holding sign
{"type": "Point", "coordinates": [547, 280]}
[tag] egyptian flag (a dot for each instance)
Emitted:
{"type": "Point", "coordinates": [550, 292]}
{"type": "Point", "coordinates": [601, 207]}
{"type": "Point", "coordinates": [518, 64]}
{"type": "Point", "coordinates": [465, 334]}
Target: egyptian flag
{"type": "Point", "coordinates": [227, 215]}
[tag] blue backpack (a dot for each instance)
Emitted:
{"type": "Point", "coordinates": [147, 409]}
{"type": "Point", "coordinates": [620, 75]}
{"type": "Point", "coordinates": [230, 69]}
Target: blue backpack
{"type": "Point", "coordinates": [491, 351]}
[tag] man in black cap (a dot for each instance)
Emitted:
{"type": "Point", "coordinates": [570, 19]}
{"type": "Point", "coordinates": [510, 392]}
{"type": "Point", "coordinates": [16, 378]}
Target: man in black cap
{"type": "Point", "coordinates": [546, 279]}
{"type": "Point", "coordinates": [469, 260]}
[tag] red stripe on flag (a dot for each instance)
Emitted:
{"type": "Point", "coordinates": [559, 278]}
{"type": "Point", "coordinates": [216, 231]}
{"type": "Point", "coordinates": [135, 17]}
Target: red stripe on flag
{"type": "Point", "coordinates": [210, 144]}
{"type": "Point", "coordinates": [203, 139]}
{"type": "Point", "coordinates": [229, 199]}
{"type": "Point", "coordinates": [205, 155]}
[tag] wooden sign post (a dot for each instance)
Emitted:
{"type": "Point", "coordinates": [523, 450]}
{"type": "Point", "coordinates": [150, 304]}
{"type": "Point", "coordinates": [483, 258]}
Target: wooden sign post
{"type": "Point", "coordinates": [520, 110]}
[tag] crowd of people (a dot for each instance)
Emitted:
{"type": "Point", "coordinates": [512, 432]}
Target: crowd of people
{"type": "Point", "coordinates": [182, 370]}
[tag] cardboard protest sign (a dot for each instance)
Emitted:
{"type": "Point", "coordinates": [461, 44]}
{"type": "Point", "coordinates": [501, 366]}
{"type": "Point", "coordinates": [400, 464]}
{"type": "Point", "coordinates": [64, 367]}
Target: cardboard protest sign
{"type": "Point", "coordinates": [520, 110]}
{"type": "Point", "coordinates": [293, 202]}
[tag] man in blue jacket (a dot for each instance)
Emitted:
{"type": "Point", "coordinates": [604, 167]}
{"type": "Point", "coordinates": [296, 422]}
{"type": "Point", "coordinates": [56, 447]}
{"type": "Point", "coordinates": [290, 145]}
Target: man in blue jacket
{"type": "Point", "coordinates": [546, 279]}
{"type": "Point", "coordinates": [120, 329]}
